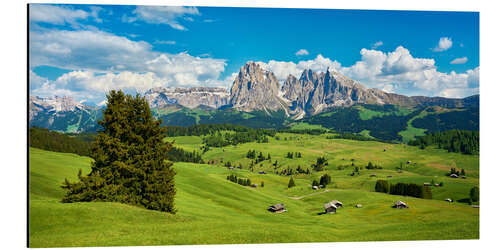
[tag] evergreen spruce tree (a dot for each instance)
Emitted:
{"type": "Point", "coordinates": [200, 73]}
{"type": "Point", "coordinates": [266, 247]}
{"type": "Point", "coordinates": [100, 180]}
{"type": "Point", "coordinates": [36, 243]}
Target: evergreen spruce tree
{"type": "Point", "coordinates": [129, 159]}
{"type": "Point", "coordinates": [291, 183]}
{"type": "Point", "coordinates": [474, 194]}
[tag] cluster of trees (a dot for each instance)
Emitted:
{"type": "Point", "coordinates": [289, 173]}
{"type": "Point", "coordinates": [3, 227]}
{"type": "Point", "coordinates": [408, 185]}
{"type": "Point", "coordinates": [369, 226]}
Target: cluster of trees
{"type": "Point", "coordinates": [290, 155]}
{"type": "Point", "coordinates": [44, 139]}
{"type": "Point", "coordinates": [252, 154]}
{"type": "Point", "coordinates": [320, 164]}
{"type": "Point", "coordinates": [324, 180]}
{"type": "Point", "coordinates": [455, 171]}
{"type": "Point", "coordinates": [241, 181]}
{"type": "Point", "coordinates": [406, 189]}
{"type": "Point", "coordinates": [291, 171]}
{"type": "Point", "coordinates": [129, 159]}
{"type": "Point", "coordinates": [463, 141]}
{"type": "Point", "coordinates": [178, 154]}
{"type": "Point", "coordinates": [219, 139]}
{"type": "Point", "coordinates": [372, 166]}
{"type": "Point", "coordinates": [350, 136]}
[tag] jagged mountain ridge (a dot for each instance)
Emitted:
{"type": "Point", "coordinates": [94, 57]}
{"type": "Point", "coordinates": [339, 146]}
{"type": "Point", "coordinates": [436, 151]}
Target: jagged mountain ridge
{"type": "Point", "coordinates": [254, 90]}
{"type": "Point", "coordinates": [257, 89]}
{"type": "Point", "coordinates": [187, 97]}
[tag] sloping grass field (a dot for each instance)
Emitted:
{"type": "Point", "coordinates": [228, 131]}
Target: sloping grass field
{"type": "Point", "coordinates": [213, 210]}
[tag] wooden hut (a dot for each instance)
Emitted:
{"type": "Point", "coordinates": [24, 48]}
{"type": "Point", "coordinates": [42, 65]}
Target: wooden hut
{"type": "Point", "coordinates": [330, 208]}
{"type": "Point", "coordinates": [427, 184]}
{"type": "Point", "coordinates": [448, 200]}
{"type": "Point", "coordinates": [359, 205]}
{"type": "Point", "coordinates": [336, 203]}
{"type": "Point", "coordinates": [315, 187]}
{"type": "Point", "coordinates": [277, 208]}
{"type": "Point", "coordinates": [400, 204]}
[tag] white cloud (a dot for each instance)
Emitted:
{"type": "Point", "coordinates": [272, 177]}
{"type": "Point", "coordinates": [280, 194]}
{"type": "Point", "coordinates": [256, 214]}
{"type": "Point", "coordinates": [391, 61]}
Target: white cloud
{"type": "Point", "coordinates": [168, 15]}
{"type": "Point", "coordinates": [164, 42]}
{"type": "Point", "coordinates": [460, 60]}
{"type": "Point", "coordinates": [283, 69]}
{"type": "Point", "coordinates": [400, 72]}
{"type": "Point", "coordinates": [377, 44]}
{"type": "Point", "coordinates": [61, 15]}
{"type": "Point", "coordinates": [302, 52]}
{"type": "Point", "coordinates": [396, 72]}
{"type": "Point", "coordinates": [106, 61]}
{"type": "Point", "coordinates": [444, 44]}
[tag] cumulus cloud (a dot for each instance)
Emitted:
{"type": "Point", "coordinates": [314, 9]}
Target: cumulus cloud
{"type": "Point", "coordinates": [460, 60]}
{"type": "Point", "coordinates": [168, 15]}
{"type": "Point", "coordinates": [444, 44]}
{"type": "Point", "coordinates": [400, 72]}
{"type": "Point", "coordinates": [377, 44]}
{"type": "Point", "coordinates": [283, 69]}
{"type": "Point", "coordinates": [106, 61]}
{"type": "Point", "coordinates": [302, 52]}
{"type": "Point", "coordinates": [61, 15]}
{"type": "Point", "coordinates": [396, 72]}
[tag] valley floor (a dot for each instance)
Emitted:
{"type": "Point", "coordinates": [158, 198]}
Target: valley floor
{"type": "Point", "coordinates": [213, 210]}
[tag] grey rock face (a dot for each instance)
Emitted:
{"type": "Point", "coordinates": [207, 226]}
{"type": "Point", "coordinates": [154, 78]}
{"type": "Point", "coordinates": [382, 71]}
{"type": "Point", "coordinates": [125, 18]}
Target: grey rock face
{"type": "Point", "coordinates": [54, 105]}
{"type": "Point", "coordinates": [187, 97]}
{"type": "Point", "coordinates": [256, 89]}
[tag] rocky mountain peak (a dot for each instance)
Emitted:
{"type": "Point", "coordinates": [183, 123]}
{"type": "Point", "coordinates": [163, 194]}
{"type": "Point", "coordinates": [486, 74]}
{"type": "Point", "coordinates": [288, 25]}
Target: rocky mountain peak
{"type": "Point", "coordinates": [256, 89]}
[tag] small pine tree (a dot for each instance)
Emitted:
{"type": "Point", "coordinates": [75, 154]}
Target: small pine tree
{"type": "Point", "coordinates": [474, 194]}
{"type": "Point", "coordinates": [291, 183]}
{"type": "Point", "coordinates": [462, 172]}
{"type": "Point", "coordinates": [262, 184]}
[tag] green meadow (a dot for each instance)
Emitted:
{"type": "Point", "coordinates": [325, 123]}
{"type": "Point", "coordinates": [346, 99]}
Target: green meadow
{"type": "Point", "coordinates": [213, 210]}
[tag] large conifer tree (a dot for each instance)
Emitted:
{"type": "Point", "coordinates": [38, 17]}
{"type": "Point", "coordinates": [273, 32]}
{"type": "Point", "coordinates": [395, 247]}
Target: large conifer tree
{"type": "Point", "coordinates": [129, 159]}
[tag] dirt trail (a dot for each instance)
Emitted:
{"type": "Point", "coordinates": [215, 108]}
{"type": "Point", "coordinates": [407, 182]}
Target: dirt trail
{"type": "Point", "coordinates": [300, 197]}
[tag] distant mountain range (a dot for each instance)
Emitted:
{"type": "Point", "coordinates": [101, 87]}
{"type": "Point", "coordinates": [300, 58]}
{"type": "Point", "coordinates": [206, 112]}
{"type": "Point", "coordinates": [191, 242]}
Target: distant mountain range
{"type": "Point", "coordinates": [256, 99]}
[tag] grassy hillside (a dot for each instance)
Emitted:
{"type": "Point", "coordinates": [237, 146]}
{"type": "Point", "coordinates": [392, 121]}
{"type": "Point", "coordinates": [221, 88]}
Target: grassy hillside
{"type": "Point", "coordinates": [212, 210]}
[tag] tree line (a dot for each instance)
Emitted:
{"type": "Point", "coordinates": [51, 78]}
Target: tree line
{"type": "Point", "coordinates": [45, 139]}
{"type": "Point", "coordinates": [176, 154]}
{"type": "Point", "coordinates": [463, 141]}
{"type": "Point", "coordinates": [405, 189]}
{"type": "Point", "coordinates": [219, 139]}
{"type": "Point", "coordinates": [241, 181]}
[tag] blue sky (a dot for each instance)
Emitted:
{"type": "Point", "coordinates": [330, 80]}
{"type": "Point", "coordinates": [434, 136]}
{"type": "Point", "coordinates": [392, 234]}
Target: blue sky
{"type": "Point", "coordinates": [84, 50]}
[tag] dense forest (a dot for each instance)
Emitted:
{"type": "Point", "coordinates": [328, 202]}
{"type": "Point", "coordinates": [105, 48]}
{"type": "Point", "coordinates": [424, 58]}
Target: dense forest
{"type": "Point", "coordinates": [463, 141]}
{"type": "Point", "coordinates": [348, 120]}
{"type": "Point", "coordinates": [58, 142]}
{"type": "Point", "coordinates": [462, 120]}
